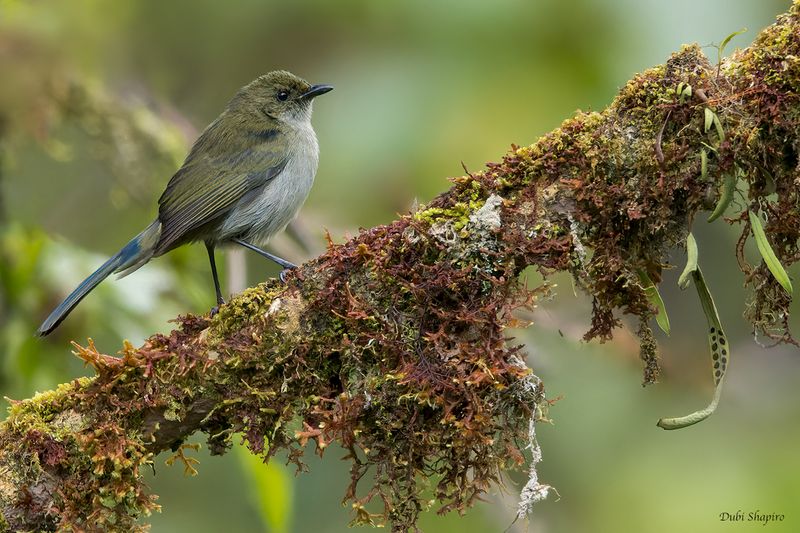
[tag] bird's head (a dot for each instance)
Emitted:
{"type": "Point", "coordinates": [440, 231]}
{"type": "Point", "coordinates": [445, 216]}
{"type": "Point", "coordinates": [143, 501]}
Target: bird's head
{"type": "Point", "coordinates": [278, 95]}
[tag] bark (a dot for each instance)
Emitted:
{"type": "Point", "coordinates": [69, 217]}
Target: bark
{"type": "Point", "coordinates": [393, 344]}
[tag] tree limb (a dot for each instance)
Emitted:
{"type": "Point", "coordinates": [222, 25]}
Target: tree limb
{"type": "Point", "coordinates": [393, 344]}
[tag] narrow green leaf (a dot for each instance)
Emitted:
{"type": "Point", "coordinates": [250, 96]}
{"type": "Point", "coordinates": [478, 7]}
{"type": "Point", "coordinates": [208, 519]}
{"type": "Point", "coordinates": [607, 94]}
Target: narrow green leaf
{"type": "Point", "coordinates": [703, 164]}
{"type": "Point", "coordinates": [718, 126]}
{"type": "Point", "coordinates": [691, 261]}
{"type": "Point", "coordinates": [710, 148]}
{"type": "Point", "coordinates": [727, 40]}
{"type": "Point", "coordinates": [684, 92]}
{"type": "Point", "coordinates": [725, 197]}
{"type": "Point", "coordinates": [709, 119]}
{"type": "Point", "coordinates": [768, 254]}
{"type": "Point", "coordinates": [720, 354]}
{"type": "Point", "coordinates": [655, 298]}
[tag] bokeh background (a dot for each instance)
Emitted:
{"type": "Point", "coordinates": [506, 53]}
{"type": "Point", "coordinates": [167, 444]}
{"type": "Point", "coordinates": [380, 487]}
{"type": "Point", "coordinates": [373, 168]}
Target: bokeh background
{"type": "Point", "coordinates": [100, 100]}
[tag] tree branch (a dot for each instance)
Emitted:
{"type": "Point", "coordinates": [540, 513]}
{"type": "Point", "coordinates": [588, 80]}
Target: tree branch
{"type": "Point", "coordinates": [393, 344]}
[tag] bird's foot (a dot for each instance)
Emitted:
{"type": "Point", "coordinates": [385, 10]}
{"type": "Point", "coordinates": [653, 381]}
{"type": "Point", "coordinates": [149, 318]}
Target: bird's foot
{"type": "Point", "coordinates": [215, 309]}
{"type": "Point", "coordinates": [283, 273]}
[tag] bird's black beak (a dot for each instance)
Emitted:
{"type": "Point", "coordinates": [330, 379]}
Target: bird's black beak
{"type": "Point", "coordinates": [316, 90]}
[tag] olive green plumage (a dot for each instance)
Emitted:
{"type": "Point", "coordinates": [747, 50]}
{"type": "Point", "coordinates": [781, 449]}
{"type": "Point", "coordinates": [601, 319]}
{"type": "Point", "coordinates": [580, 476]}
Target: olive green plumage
{"type": "Point", "coordinates": [244, 180]}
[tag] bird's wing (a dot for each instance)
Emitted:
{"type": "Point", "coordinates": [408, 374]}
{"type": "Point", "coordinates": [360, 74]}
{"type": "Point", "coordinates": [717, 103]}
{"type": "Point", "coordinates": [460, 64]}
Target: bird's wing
{"type": "Point", "coordinates": [213, 178]}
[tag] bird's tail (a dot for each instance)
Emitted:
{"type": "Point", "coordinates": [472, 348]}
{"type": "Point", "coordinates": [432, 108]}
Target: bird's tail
{"type": "Point", "coordinates": [132, 256]}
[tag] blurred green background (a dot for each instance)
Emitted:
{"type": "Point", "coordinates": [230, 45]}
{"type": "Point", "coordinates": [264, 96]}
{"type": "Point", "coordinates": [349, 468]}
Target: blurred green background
{"type": "Point", "coordinates": [420, 87]}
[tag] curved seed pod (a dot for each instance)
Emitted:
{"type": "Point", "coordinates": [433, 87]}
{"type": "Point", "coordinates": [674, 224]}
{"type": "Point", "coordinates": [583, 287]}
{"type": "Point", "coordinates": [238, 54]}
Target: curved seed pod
{"type": "Point", "coordinates": [720, 354]}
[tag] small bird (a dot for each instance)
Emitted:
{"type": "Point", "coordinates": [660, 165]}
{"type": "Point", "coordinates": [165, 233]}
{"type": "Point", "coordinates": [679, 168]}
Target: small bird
{"type": "Point", "coordinates": [243, 181]}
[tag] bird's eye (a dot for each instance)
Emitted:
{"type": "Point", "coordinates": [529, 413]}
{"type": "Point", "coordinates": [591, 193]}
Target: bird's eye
{"type": "Point", "coordinates": [282, 95]}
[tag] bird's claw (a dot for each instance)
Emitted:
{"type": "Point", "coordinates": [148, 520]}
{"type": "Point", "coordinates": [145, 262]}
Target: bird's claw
{"type": "Point", "coordinates": [282, 275]}
{"type": "Point", "coordinates": [215, 309]}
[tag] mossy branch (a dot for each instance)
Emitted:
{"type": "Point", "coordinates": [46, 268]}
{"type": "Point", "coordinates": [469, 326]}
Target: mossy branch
{"type": "Point", "coordinates": [393, 344]}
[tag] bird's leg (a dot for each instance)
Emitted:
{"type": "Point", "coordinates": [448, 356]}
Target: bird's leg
{"type": "Point", "coordinates": [220, 299]}
{"type": "Point", "coordinates": [282, 262]}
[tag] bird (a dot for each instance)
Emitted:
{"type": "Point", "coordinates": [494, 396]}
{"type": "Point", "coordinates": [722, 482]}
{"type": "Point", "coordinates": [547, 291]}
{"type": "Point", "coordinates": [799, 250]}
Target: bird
{"type": "Point", "coordinates": [244, 179]}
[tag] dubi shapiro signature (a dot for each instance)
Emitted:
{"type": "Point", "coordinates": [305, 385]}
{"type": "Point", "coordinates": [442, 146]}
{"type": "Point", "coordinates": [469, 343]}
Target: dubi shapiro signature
{"type": "Point", "coordinates": [752, 516]}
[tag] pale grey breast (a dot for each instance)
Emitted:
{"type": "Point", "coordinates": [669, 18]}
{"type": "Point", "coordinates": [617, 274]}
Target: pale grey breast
{"type": "Point", "coordinates": [269, 209]}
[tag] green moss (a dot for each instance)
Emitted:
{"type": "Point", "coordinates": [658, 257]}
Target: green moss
{"type": "Point", "coordinates": [37, 412]}
{"type": "Point", "coordinates": [254, 301]}
{"type": "Point", "coordinates": [457, 215]}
